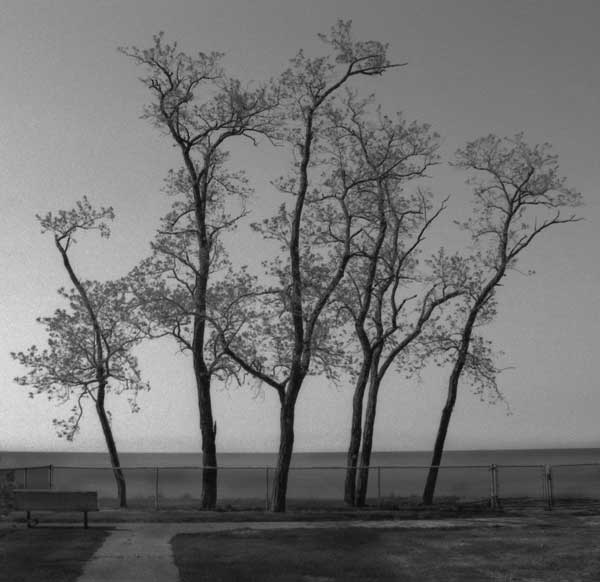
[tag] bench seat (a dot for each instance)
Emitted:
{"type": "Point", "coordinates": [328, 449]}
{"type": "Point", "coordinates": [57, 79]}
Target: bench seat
{"type": "Point", "coordinates": [52, 500]}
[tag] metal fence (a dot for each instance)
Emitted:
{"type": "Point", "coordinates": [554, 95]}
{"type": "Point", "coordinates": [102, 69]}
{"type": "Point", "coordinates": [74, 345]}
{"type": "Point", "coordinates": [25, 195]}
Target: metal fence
{"type": "Point", "coordinates": [388, 486]}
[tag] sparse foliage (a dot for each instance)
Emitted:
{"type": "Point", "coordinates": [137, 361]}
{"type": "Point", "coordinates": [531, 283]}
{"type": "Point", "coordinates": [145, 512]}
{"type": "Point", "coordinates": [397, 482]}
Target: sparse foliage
{"type": "Point", "coordinates": [66, 370]}
{"type": "Point", "coordinates": [519, 194]}
{"type": "Point", "coordinates": [385, 294]}
{"type": "Point", "coordinates": [201, 110]}
{"type": "Point", "coordinates": [89, 348]}
{"type": "Point", "coordinates": [315, 229]}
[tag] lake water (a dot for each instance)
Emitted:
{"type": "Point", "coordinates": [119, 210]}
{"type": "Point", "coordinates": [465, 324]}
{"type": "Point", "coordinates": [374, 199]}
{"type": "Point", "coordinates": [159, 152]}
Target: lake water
{"type": "Point", "coordinates": [315, 476]}
{"type": "Point", "coordinates": [330, 459]}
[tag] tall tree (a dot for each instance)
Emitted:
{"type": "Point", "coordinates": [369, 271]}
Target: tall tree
{"type": "Point", "coordinates": [325, 182]}
{"type": "Point", "coordinates": [400, 314]}
{"type": "Point", "coordinates": [89, 344]}
{"type": "Point", "coordinates": [202, 110]}
{"type": "Point", "coordinates": [519, 194]}
{"type": "Point", "coordinates": [393, 153]}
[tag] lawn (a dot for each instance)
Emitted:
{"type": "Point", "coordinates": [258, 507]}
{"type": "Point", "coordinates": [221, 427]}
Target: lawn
{"type": "Point", "coordinates": [472, 554]}
{"type": "Point", "coordinates": [46, 554]}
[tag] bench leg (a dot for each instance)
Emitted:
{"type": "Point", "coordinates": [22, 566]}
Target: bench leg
{"type": "Point", "coordinates": [31, 522]}
{"type": "Point", "coordinates": [85, 519]}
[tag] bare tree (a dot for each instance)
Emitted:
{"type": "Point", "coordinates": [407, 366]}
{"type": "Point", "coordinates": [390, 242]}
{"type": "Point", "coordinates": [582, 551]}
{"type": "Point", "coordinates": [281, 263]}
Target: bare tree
{"type": "Point", "coordinates": [519, 194]}
{"type": "Point", "coordinates": [297, 339]}
{"type": "Point", "coordinates": [201, 110]}
{"type": "Point", "coordinates": [89, 344]}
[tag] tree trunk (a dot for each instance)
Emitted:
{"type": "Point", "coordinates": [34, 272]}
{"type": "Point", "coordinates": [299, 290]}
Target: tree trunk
{"type": "Point", "coordinates": [112, 448]}
{"type": "Point", "coordinates": [284, 458]}
{"type": "Point", "coordinates": [101, 377]}
{"type": "Point", "coordinates": [459, 364]}
{"type": "Point", "coordinates": [355, 434]}
{"type": "Point", "coordinates": [208, 429]}
{"type": "Point", "coordinates": [367, 445]}
{"type": "Point", "coordinates": [438, 448]}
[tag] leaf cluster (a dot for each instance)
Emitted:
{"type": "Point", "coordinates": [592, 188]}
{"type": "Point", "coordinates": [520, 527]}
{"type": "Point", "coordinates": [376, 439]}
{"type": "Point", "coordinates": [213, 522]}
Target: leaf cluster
{"type": "Point", "coordinates": [83, 217]}
{"type": "Point", "coordinates": [68, 369]}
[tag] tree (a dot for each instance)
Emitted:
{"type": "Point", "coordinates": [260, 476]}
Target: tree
{"type": "Point", "coordinates": [392, 152]}
{"type": "Point", "coordinates": [89, 344]}
{"type": "Point", "coordinates": [201, 110]}
{"type": "Point", "coordinates": [293, 336]}
{"type": "Point", "coordinates": [396, 323]}
{"type": "Point", "coordinates": [519, 194]}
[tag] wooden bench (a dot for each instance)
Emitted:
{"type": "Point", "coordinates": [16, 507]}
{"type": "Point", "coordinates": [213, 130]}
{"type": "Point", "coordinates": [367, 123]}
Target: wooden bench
{"type": "Point", "coordinates": [50, 500]}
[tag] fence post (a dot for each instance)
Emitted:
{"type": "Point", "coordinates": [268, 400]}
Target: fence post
{"type": "Point", "coordinates": [51, 476]}
{"type": "Point", "coordinates": [379, 486]}
{"type": "Point", "coordinates": [549, 487]}
{"type": "Point", "coordinates": [267, 488]}
{"type": "Point", "coordinates": [156, 488]}
{"type": "Point", "coordinates": [544, 485]}
{"type": "Point", "coordinates": [493, 486]}
{"type": "Point", "coordinates": [26, 478]}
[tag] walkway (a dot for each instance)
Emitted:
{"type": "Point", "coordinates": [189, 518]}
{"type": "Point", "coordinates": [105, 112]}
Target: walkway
{"type": "Point", "coordinates": [134, 552]}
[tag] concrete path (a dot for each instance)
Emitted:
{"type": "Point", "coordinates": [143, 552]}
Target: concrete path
{"type": "Point", "coordinates": [134, 552]}
{"type": "Point", "coordinates": [142, 551]}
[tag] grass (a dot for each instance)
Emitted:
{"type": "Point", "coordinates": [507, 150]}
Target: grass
{"type": "Point", "coordinates": [306, 513]}
{"type": "Point", "coordinates": [46, 554]}
{"type": "Point", "coordinates": [556, 552]}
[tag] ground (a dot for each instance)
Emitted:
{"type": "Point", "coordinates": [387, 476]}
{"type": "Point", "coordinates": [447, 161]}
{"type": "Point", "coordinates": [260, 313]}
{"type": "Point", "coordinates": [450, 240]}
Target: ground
{"type": "Point", "coordinates": [562, 550]}
{"type": "Point", "coordinates": [47, 554]}
{"type": "Point", "coordinates": [508, 547]}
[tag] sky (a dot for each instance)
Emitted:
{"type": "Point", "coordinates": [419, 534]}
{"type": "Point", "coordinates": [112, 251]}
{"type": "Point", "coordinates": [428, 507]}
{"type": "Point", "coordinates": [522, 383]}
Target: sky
{"type": "Point", "coordinates": [70, 126]}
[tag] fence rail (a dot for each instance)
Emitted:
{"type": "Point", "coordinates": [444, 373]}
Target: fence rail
{"type": "Point", "coordinates": [389, 485]}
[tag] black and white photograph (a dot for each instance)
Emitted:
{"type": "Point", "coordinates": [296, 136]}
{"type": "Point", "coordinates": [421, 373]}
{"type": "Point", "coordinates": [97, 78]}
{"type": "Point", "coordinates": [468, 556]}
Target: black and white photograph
{"type": "Point", "coordinates": [299, 291]}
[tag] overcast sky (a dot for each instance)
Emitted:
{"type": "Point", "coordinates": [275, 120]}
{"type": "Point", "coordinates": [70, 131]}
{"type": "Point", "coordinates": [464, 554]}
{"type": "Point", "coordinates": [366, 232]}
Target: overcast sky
{"type": "Point", "coordinates": [70, 126]}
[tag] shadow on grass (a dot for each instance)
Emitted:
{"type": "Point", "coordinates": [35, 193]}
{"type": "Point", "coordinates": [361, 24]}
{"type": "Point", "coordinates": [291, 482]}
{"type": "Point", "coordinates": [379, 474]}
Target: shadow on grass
{"type": "Point", "coordinates": [45, 554]}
